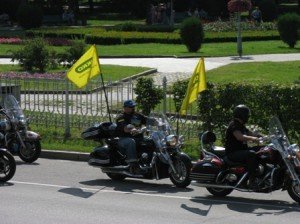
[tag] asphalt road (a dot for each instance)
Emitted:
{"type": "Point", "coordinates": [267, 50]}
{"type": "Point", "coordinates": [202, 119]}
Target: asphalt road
{"type": "Point", "coordinates": [62, 191]}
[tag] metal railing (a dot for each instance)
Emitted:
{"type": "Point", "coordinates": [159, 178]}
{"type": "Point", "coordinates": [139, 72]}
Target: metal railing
{"type": "Point", "coordinates": [58, 103]}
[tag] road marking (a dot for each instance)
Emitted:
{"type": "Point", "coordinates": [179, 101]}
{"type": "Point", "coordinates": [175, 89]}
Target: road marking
{"type": "Point", "coordinates": [102, 190]}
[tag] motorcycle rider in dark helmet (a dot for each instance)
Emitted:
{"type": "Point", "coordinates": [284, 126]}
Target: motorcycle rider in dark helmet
{"type": "Point", "coordinates": [237, 136]}
{"type": "Point", "coordinates": [128, 124]}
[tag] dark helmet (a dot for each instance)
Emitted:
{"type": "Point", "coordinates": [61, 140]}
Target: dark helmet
{"type": "Point", "coordinates": [129, 103]}
{"type": "Point", "coordinates": [242, 112]}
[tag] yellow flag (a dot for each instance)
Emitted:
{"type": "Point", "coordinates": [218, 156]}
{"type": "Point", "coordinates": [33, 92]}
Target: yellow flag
{"type": "Point", "coordinates": [85, 68]}
{"type": "Point", "coordinates": [196, 85]}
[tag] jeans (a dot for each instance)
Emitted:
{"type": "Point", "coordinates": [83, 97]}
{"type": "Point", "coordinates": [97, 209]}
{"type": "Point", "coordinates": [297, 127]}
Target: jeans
{"type": "Point", "coordinates": [128, 147]}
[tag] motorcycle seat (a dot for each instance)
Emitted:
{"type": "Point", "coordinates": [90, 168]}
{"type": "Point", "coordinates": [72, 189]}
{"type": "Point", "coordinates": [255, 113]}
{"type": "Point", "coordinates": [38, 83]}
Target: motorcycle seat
{"type": "Point", "coordinates": [231, 163]}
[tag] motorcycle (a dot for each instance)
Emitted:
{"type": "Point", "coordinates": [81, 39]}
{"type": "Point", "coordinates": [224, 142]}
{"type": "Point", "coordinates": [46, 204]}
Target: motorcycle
{"type": "Point", "coordinates": [14, 133]}
{"type": "Point", "coordinates": [7, 165]}
{"type": "Point", "coordinates": [279, 166]}
{"type": "Point", "coordinates": [159, 154]}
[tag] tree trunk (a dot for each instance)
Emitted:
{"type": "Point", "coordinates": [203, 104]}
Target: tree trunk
{"type": "Point", "coordinates": [239, 35]}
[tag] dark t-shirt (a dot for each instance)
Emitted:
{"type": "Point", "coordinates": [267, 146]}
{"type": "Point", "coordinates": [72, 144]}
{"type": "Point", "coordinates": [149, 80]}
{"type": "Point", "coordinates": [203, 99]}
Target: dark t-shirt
{"type": "Point", "coordinates": [136, 119]}
{"type": "Point", "coordinates": [231, 143]}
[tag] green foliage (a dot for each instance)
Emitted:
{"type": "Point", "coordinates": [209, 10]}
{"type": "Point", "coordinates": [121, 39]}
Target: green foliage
{"type": "Point", "coordinates": [33, 55]}
{"type": "Point", "coordinates": [289, 28]}
{"type": "Point", "coordinates": [127, 27]}
{"type": "Point", "coordinates": [148, 95]}
{"type": "Point", "coordinates": [192, 34]}
{"type": "Point", "coordinates": [29, 16]}
{"type": "Point", "coordinates": [72, 54]}
{"type": "Point", "coordinates": [179, 89]}
{"type": "Point", "coordinates": [217, 102]}
{"type": "Point", "coordinates": [269, 10]}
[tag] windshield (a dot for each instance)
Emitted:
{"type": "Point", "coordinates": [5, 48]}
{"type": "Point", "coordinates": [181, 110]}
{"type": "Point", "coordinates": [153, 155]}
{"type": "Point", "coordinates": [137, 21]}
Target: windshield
{"type": "Point", "coordinates": [159, 128]}
{"type": "Point", "coordinates": [12, 107]}
{"type": "Point", "coordinates": [277, 134]}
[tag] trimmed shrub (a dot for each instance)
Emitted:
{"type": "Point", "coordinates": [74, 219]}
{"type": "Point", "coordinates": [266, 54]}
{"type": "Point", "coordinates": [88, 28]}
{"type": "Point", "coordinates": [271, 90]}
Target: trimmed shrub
{"type": "Point", "coordinates": [289, 28]}
{"type": "Point", "coordinates": [148, 96]}
{"type": "Point", "coordinates": [269, 10]}
{"type": "Point", "coordinates": [191, 33]}
{"type": "Point", "coordinates": [34, 55]}
{"type": "Point", "coordinates": [29, 16]}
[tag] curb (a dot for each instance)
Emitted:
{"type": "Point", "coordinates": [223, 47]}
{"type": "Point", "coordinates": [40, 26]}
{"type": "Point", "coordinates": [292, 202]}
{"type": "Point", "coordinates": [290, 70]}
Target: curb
{"type": "Point", "coordinates": [64, 155]}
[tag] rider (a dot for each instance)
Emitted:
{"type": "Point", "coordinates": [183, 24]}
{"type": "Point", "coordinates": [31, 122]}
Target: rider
{"type": "Point", "coordinates": [237, 136]}
{"type": "Point", "coordinates": [128, 124]}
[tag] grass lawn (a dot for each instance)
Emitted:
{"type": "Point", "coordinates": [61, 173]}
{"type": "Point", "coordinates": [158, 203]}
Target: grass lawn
{"type": "Point", "coordinates": [207, 50]}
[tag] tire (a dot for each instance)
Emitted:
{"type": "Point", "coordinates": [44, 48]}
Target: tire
{"type": "Point", "coordinates": [115, 176]}
{"type": "Point", "coordinates": [219, 192]}
{"type": "Point", "coordinates": [294, 192]}
{"type": "Point", "coordinates": [183, 166]}
{"type": "Point", "coordinates": [31, 153]}
{"type": "Point", "coordinates": [7, 166]}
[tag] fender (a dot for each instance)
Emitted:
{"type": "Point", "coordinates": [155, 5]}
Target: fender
{"type": "Point", "coordinates": [32, 136]}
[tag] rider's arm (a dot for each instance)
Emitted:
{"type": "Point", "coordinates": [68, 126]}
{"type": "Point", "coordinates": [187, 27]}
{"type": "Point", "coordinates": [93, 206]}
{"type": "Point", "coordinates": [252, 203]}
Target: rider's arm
{"type": "Point", "coordinates": [242, 137]}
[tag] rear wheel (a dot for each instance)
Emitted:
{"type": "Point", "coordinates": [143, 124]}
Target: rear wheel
{"type": "Point", "coordinates": [116, 176]}
{"type": "Point", "coordinates": [220, 192]}
{"type": "Point", "coordinates": [7, 166]}
{"type": "Point", "coordinates": [182, 165]}
{"type": "Point", "coordinates": [294, 192]}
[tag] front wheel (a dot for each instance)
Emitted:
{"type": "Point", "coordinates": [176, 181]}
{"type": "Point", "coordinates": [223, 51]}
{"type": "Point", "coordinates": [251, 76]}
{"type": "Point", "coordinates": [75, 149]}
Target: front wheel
{"type": "Point", "coordinates": [219, 192]}
{"type": "Point", "coordinates": [31, 152]}
{"type": "Point", "coordinates": [182, 165]}
{"type": "Point", "coordinates": [294, 191]}
{"type": "Point", "coordinates": [7, 166]}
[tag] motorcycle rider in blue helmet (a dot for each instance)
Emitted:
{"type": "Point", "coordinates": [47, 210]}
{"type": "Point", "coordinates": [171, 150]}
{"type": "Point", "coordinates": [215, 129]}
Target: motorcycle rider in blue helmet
{"type": "Point", "coordinates": [128, 124]}
{"type": "Point", "coordinates": [237, 136]}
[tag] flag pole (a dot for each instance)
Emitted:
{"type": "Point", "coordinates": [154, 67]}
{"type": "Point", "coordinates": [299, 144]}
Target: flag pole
{"type": "Point", "coordinates": [106, 99]}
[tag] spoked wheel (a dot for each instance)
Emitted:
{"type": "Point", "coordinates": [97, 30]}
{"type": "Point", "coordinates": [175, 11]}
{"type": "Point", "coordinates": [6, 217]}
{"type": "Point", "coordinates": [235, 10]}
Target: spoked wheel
{"type": "Point", "coordinates": [7, 166]}
{"type": "Point", "coordinates": [116, 176]}
{"type": "Point", "coordinates": [183, 167]}
{"type": "Point", "coordinates": [220, 192]}
{"type": "Point", "coordinates": [31, 152]}
{"type": "Point", "coordinates": [294, 192]}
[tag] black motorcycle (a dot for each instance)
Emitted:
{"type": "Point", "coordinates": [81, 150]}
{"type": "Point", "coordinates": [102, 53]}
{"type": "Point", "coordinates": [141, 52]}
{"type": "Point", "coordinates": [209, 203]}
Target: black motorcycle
{"type": "Point", "coordinates": [7, 165]}
{"type": "Point", "coordinates": [159, 154]}
{"type": "Point", "coordinates": [14, 133]}
{"type": "Point", "coordinates": [279, 167]}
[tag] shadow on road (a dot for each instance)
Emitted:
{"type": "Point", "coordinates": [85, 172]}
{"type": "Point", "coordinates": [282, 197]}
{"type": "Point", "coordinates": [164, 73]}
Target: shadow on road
{"type": "Point", "coordinates": [20, 163]}
{"type": "Point", "coordinates": [237, 58]}
{"type": "Point", "coordinates": [6, 184]}
{"type": "Point", "coordinates": [259, 207]}
{"type": "Point", "coordinates": [130, 185]}
{"type": "Point", "coordinates": [78, 192]}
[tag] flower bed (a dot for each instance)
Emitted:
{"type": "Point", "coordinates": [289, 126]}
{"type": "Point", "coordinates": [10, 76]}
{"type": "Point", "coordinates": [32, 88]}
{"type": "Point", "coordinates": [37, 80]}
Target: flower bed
{"type": "Point", "coordinates": [13, 40]}
{"type": "Point", "coordinates": [27, 75]}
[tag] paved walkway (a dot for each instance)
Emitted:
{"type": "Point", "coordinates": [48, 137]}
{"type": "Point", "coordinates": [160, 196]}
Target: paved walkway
{"type": "Point", "coordinates": [182, 68]}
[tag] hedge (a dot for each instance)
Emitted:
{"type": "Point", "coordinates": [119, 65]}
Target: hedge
{"type": "Point", "coordinates": [217, 102]}
{"type": "Point", "coordinates": [102, 37]}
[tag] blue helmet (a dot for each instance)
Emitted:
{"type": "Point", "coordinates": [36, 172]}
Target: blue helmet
{"type": "Point", "coordinates": [129, 103]}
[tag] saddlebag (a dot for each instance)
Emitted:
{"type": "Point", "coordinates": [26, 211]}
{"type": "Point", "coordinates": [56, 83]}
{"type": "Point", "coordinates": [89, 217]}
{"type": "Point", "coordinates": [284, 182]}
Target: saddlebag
{"type": "Point", "coordinates": [204, 172]}
{"type": "Point", "coordinates": [100, 156]}
{"type": "Point", "coordinates": [99, 131]}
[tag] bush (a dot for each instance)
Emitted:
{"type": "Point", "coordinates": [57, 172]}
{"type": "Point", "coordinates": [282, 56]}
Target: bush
{"type": "Point", "coordinates": [127, 27]}
{"type": "Point", "coordinates": [34, 55]}
{"type": "Point", "coordinates": [148, 96]}
{"type": "Point", "coordinates": [289, 28]}
{"type": "Point", "coordinates": [72, 54]}
{"type": "Point", "coordinates": [192, 34]}
{"type": "Point", "coordinates": [29, 16]}
{"type": "Point", "coordinates": [268, 9]}
{"type": "Point", "coordinates": [217, 102]}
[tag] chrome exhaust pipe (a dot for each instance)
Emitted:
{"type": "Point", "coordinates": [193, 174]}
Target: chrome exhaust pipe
{"type": "Point", "coordinates": [195, 183]}
{"type": "Point", "coordinates": [120, 170]}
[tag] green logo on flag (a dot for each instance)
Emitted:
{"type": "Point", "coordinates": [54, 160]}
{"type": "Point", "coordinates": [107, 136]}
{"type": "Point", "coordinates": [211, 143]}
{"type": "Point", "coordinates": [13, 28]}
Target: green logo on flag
{"type": "Point", "coordinates": [84, 66]}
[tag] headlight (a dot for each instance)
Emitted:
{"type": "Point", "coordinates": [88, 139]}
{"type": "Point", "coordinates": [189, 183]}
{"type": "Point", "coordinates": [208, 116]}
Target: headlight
{"type": "Point", "coordinates": [171, 140]}
{"type": "Point", "coordinates": [296, 150]}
